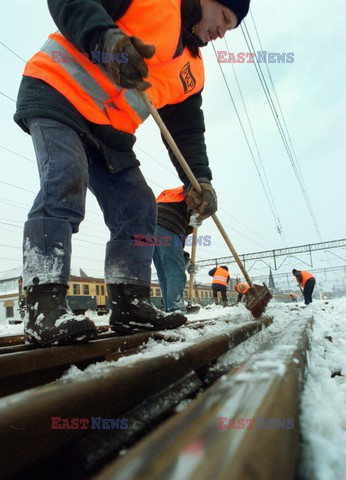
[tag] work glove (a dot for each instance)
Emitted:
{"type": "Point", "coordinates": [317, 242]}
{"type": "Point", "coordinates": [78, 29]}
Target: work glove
{"type": "Point", "coordinates": [204, 203]}
{"type": "Point", "coordinates": [126, 54]}
{"type": "Point", "coordinates": [195, 220]}
{"type": "Point", "coordinates": [192, 269]}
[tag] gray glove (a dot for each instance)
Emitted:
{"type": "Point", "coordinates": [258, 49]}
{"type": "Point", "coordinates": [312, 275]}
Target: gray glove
{"type": "Point", "coordinates": [126, 65]}
{"type": "Point", "coordinates": [192, 269]}
{"type": "Point", "coordinates": [204, 203]}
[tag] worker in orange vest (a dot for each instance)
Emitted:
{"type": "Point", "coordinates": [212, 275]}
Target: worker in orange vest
{"type": "Point", "coordinates": [170, 259]}
{"type": "Point", "coordinates": [219, 283]}
{"type": "Point", "coordinates": [241, 288]}
{"type": "Point", "coordinates": [307, 283]}
{"type": "Point", "coordinates": [79, 101]}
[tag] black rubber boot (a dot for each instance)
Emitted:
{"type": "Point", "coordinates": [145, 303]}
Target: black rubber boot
{"type": "Point", "coordinates": [133, 311]}
{"type": "Point", "coordinates": [49, 321]}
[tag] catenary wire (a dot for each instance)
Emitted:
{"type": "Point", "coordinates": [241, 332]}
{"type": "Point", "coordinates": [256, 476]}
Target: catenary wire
{"type": "Point", "coordinates": [263, 82]}
{"type": "Point", "coordinates": [248, 143]}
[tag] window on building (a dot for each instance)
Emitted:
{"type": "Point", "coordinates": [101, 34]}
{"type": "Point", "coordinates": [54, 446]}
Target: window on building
{"type": "Point", "coordinates": [9, 312]}
{"type": "Point", "coordinates": [85, 289]}
{"type": "Point", "coordinates": [202, 294]}
{"type": "Point", "coordinates": [102, 289]}
{"type": "Point", "coordinates": [210, 294]}
{"type": "Point", "coordinates": [97, 289]}
{"type": "Point", "coordinates": [186, 293]}
{"type": "Point", "coordinates": [76, 289]}
{"type": "Point", "coordinates": [157, 292]}
{"type": "Point", "coordinates": [151, 292]}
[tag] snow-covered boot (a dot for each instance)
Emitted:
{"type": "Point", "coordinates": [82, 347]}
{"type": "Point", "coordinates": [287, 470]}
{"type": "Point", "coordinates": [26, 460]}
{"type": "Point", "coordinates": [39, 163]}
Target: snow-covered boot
{"type": "Point", "coordinates": [132, 311]}
{"type": "Point", "coordinates": [49, 321]}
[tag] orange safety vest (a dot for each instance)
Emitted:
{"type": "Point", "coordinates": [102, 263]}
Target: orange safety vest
{"type": "Point", "coordinates": [305, 277]}
{"type": "Point", "coordinates": [220, 277]}
{"type": "Point", "coordinates": [90, 88]}
{"type": "Point", "coordinates": [171, 195]}
{"type": "Point", "coordinates": [242, 287]}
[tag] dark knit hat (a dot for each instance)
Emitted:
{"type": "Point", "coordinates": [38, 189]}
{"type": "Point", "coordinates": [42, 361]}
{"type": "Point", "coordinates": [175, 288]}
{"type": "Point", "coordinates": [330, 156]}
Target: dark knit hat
{"type": "Point", "coordinates": [239, 7]}
{"type": "Point", "coordinates": [294, 271]}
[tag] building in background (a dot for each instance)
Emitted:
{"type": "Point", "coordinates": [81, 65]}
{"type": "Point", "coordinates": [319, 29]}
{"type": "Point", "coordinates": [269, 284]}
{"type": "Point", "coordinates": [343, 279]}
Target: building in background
{"type": "Point", "coordinates": [9, 296]}
{"type": "Point", "coordinates": [85, 293]}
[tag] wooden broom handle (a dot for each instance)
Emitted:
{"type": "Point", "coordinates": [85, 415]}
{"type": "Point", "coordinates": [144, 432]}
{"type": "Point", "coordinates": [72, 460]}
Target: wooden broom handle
{"type": "Point", "coordinates": [193, 259]}
{"type": "Point", "coordinates": [191, 177]}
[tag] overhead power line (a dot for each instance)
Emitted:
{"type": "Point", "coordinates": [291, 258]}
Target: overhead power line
{"type": "Point", "coordinates": [267, 93]}
{"type": "Point", "coordinates": [14, 53]}
{"type": "Point", "coordinates": [278, 227]}
{"type": "Point", "coordinates": [266, 188]}
{"type": "Point", "coordinates": [10, 98]}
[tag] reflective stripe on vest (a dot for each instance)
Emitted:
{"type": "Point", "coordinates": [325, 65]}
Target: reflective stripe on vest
{"type": "Point", "coordinates": [89, 87]}
{"type": "Point", "coordinates": [220, 277]}
{"type": "Point", "coordinates": [170, 196]}
{"type": "Point", "coordinates": [305, 277]}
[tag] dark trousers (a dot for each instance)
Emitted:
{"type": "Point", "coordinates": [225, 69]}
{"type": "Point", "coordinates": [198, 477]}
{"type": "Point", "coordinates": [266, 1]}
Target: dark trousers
{"type": "Point", "coordinates": [219, 288]}
{"type": "Point", "coordinates": [308, 289]}
{"type": "Point", "coordinates": [66, 171]}
{"type": "Point", "coordinates": [239, 298]}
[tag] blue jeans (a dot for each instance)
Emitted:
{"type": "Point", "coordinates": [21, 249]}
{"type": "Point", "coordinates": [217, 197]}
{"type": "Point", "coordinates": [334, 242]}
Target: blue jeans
{"type": "Point", "coordinates": [127, 202]}
{"type": "Point", "coordinates": [169, 262]}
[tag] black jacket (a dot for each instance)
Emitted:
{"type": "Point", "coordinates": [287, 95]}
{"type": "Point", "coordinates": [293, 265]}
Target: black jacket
{"type": "Point", "coordinates": [175, 217]}
{"type": "Point", "coordinates": [84, 23]}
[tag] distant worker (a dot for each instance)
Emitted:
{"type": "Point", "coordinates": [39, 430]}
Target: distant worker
{"type": "Point", "coordinates": [306, 282]}
{"type": "Point", "coordinates": [241, 288]}
{"type": "Point", "coordinates": [219, 283]}
{"type": "Point", "coordinates": [293, 297]}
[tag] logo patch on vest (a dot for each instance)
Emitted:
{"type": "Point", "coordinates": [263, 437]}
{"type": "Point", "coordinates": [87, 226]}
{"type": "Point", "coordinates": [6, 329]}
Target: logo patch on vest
{"type": "Point", "coordinates": [187, 79]}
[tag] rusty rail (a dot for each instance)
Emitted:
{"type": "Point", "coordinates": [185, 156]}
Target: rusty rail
{"type": "Point", "coordinates": [245, 427]}
{"type": "Point", "coordinates": [145, 391]}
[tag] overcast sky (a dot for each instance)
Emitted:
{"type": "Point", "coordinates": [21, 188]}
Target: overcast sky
{"type": "Point", "coordinates": [311, 91]}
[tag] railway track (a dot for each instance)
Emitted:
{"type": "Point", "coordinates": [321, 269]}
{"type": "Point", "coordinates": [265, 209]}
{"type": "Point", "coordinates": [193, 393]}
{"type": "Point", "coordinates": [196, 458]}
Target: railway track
{"type": "Point", "coordinates": [133, 384]}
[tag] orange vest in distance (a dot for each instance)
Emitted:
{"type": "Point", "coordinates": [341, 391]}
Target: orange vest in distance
{"type": "Point", "coordinates": [305, 277]}
{"type": "Point", "coordinates": [220, 277]}
{"type": "Point", "coordinates": [242, 287]}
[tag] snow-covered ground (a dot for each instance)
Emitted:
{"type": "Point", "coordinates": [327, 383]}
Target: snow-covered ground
{"type": "Point", "coordinates": [323, 418]}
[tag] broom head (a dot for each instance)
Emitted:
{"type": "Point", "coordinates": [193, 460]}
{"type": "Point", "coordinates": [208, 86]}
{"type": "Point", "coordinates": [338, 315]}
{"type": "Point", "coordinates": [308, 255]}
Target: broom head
{"type": "Point", "coordinates": [257, 299]}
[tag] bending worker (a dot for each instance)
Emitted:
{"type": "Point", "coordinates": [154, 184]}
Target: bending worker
{"type": "Point", "coordinates": [241, 288]}
{"type": "Point", "coordinates": [307, 282]}
{"type": "Point", "coordinates": [219, 283]}
{"type": "Point", "coordinates": [79, 101]}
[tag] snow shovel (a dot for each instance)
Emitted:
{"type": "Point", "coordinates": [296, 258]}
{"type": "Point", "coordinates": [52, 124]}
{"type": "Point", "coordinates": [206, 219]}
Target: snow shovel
{"type": "Point", "coordinates": [258, 296]}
